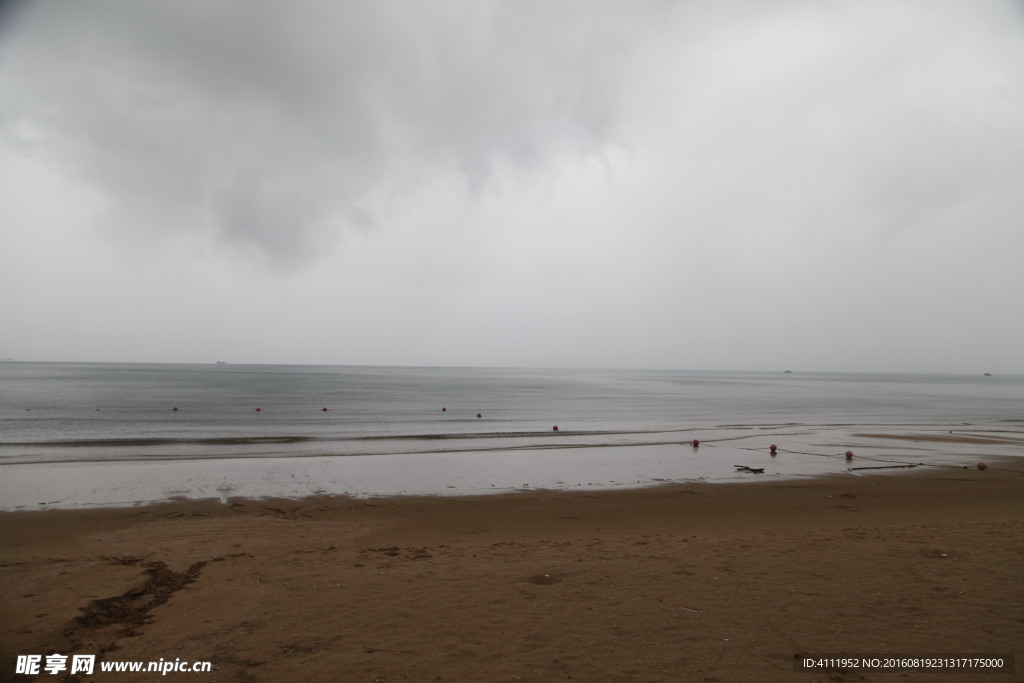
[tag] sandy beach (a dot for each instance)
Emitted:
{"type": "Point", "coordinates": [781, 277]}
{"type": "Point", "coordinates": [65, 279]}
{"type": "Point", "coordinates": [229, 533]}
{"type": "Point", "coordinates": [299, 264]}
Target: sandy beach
{"type": "Point", "coordinates": [691, 582]}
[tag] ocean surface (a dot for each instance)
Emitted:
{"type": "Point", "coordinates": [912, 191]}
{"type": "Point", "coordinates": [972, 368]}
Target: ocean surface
{"type": "Point", "coordinates": [61, 418]}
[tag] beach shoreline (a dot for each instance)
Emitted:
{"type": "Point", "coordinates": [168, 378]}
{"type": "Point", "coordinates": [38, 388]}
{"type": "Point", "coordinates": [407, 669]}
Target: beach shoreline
{"type": "Point", "coordinates": [684, 581]}
{"type": "Point", "coordinates": [725, 455]}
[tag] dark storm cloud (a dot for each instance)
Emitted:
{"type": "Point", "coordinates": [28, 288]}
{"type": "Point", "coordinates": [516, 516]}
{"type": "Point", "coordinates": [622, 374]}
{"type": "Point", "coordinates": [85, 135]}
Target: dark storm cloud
{"type": "Point", "coordinates": [274, 125]}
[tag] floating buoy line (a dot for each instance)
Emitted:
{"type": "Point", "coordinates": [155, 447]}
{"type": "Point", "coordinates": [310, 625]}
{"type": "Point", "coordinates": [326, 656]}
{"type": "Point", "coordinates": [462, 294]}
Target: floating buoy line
{"type": "Point", "coordinates": [849, 457]}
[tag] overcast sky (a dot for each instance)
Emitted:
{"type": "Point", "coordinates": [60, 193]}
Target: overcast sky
{"type": "Point", "coordinates": [734, 184]}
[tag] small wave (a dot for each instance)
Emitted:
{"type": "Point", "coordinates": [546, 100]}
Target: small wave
{"type": "Point", "coordinates": [114, 443]}
{"type": "Point", "coordinates": [294, 439]}
{"type": "Point", "coordinates": [509, 435]}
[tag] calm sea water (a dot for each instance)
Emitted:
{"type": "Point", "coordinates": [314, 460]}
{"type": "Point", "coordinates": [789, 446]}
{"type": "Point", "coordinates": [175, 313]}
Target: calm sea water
{"type": "Point", "coordinates": [55, 412]}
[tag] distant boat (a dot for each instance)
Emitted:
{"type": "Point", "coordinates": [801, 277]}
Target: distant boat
{"type": "Point", "coordinates": [789, 372]}
{"type": "Point", "coordinates": [988, 374]}
{"type": "Point", "coordinates": [220, 362]}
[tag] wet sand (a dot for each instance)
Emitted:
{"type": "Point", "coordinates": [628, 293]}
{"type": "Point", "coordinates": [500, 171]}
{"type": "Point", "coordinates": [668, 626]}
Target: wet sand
{"type": "Point", "coordinates": [686, 582]}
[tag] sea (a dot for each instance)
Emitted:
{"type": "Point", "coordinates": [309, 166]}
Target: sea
{"type": "Point", "coordinates": [90, 434]}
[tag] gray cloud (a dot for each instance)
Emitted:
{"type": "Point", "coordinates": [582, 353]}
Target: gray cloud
{"type": "Point", "coordinates": [735, 184]}
{"type": "Point", "coordinates": [272, 124]}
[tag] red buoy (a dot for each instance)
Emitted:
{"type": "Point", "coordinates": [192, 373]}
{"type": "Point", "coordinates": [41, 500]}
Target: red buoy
{"type": "Point", "coordinates": [175, 408]}
{"type": "Point", "coordinates": [849, 455]}
{"type": "Point", "coordinates": [444, 410]}
{"type": "Point", "coordinates": [695, 442]}
{"type": "Point", "coordinates": [324, 409]}
{"type": "Point", "coordinates": [259, 409]}
{"type": "Point", "coordinates": [982, 466]}
{"type": "Point", "coordinates": [479, 415]}
{"type": "Point", "coordinates": [555, 428]}
{"type": "Point", "coordinates": [773, 448]}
